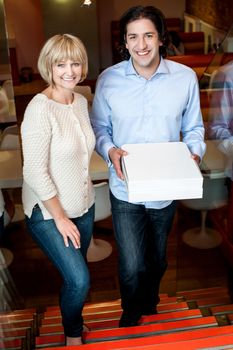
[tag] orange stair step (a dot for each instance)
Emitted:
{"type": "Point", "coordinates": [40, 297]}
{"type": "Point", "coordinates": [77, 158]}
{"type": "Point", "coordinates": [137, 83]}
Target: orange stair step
{"type": "Point", "coordinates": [222, 309]}
{"type": "Point", "coordinates": [86, 311]}
{"type": "Point", "coordinates": [172, 307]}
{"type": "Point", "coordinates": [214, 343]}
{"type": "Point", "coordinates": [154, 328]}
{"type": "Point", "coordinates": [213, 301]}
{"type": "Point", "coordinates": [91, 317]}
{"type": "Point", "coordinates": [134, 332]}
{"type": "Point", "coordinates": [171, 316]}
{"type": "Point", "coordinates": [135, 342]}
{"type": "Point", "coordinates": [11, 344]}
{"type": "Point", "coordinates": [203, 293]}
{"type": "Point", "coordinates": [230, 317]}
{"type": "Point", "coordinates": [13, 333]}
{"type": "Point", "coordinates": [18, 324]}
{"type": "Point", "coordinates": [15, 318]}
{"type": "Point", "coordinates": [113, 322]}
{"type": "Point", "coordinates": [56, 318]}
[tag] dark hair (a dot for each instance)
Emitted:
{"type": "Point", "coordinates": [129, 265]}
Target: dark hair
{"type": "Point", "coordinates": [148, 12]}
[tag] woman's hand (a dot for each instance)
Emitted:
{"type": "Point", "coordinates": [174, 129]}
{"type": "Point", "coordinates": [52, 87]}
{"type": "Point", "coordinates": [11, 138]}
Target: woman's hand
{"type": "Point", "coordinates": [65, 226]}
{"type": "Point", "coordinates": [69, 231]}
{"type": "Point", "coordinates": [115, 155]}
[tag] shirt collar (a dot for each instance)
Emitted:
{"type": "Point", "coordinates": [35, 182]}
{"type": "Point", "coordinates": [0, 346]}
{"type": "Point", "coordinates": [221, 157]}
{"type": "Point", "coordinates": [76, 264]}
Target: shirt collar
{"type": "Point", "coordinates": [162, 68]}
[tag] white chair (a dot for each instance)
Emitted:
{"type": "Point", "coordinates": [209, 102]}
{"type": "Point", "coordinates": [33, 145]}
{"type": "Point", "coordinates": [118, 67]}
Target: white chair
{"type": "Point", "coordinates": [215, 195]}
{"type": "Point", "coordinates": [85, 90]}
{"type": "Point", "coordinates": [4, 107]}
{"type": "Point", "coordinates": [8, 90]}
{"type": "Point", "coordinates": [100, 249]}
{"type": "Point", "coordinates": [7, 85]}
{"type": "Point", "coordinates": [6, 256]}
{"type": "Point", "coordinates": [10, 138]}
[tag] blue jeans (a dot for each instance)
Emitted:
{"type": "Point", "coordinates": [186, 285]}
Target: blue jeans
{"type": "Point", "coordinates": [141, 236]}
{"type": "Point", "coordinates": [70, 262]}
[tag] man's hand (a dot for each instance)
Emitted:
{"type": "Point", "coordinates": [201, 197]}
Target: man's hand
{"type": "Point", "coordinates": [196, 158]}
{"type": "Point", "coordinates": [115, 155]}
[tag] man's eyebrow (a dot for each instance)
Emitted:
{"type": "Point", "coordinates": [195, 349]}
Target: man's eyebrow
{"type": "Point", "coordinates": [151, 32]}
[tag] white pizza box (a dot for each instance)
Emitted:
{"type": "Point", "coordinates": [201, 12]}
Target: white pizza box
{"type": "Point", "coordinates": [161, 171]}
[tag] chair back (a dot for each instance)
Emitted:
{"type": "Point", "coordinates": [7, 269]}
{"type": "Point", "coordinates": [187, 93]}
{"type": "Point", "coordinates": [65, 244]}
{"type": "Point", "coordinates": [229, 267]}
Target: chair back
{"type": "Point", "coordinates": [8, 87]}
{"type": "Point", "coordinates": [85, 90]}
{"type": "Point", "coordinates": [10, 141]}
{"type": "Point", "coordinates": [4, 106]}
{"type": "Point", "coordinates": [102, 201]}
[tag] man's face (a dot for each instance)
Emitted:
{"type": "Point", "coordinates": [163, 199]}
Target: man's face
{"type": "Point", "coordinates": [142, 41]}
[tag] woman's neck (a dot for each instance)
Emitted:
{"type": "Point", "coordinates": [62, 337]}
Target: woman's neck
{"type": "Point", "coordinates": [63, 96]}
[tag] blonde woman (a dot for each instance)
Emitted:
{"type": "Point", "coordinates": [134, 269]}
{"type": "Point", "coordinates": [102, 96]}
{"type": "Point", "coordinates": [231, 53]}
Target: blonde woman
{"type": "Point", "coordinates": [58, 194]}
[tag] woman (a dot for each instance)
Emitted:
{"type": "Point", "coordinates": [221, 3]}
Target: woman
{"type": "Point", "coordinates": [58, 194]}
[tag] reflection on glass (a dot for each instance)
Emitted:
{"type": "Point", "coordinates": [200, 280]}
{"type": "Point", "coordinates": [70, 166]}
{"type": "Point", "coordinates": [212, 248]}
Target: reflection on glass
{"type": "Point", "coordinates": [7, 105]}
{"type": "Point", "coordinates": [217, 106]}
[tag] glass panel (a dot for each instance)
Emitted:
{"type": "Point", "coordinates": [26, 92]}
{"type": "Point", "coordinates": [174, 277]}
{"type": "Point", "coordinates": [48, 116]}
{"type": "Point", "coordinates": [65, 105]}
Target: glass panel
{"type": "Point", "coordinates": [7, 104]}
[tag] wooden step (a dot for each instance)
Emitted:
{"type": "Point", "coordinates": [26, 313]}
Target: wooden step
{"type": "Point", "coordinates": [230, 317]}
{"type": "Point", "coordinates": [222, 309]}
{"type": "Point", "coordinates": [108, 306]}
{"type": "Point", "coordinates": [11, 318]}
{"type": "Point", "coordinates": [133, 332]}
{"type": "Point", "coordinates": [56, 327]}
{"type": "Point", "coordinates": [91, 317]}
{"type": "Point", "coordinates": [18, 324]}
{"type": "Point", "coordinates": [12, 344]}
{"type": "Point", "coordinates": [155, 328]}
{"type": "Point", "coordinates": [13, 333]}
{"type": "Point", "coordinates": [171, 316]}
{"type": "Point", "coordinates": [140, 341]}
{"type": "Point", "coordinates": [55, 318]}
{"type": "Point", "coordinates": [203, 293]}
{"type": "Point", "coordinates": [214, 301]}
{"type": "Point", "coordinates": [217, 342]}
{"type": "Point", "coordinates": [113, 323]}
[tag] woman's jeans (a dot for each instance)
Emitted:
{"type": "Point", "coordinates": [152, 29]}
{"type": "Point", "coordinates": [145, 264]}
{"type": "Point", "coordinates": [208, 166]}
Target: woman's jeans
{"type": "Point", "coordinates": [70, 262]}
{"type": "Point", "coordinates": [141, 236]}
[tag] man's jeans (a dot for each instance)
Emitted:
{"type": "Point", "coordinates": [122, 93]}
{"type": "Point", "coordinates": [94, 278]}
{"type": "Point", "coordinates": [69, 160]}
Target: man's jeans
{"type": "Point", "coordinates": [141, 236]}
{"type": "Point", "coordinates": [70, 262]}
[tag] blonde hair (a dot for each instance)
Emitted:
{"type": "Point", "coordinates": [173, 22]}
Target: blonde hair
{"type": "Point", "coordinates": [58, 48]}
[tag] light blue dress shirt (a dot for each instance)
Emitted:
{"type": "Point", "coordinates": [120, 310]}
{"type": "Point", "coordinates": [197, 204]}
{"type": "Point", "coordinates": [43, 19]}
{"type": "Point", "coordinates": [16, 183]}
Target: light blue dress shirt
{"type": "Point", "coordinates": [128, 108]}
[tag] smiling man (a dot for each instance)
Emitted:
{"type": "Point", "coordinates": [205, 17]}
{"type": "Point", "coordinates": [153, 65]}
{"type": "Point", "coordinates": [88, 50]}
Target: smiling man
{"type": "Point", "coordinates": [143, 99]}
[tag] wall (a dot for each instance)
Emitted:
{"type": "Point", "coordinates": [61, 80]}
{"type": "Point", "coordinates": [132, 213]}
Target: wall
{"type": "Point", "coordinates": [31, 24]}
{"type": "Point", "coordinates": [214, 18]}
{"type": "Point", "coordinates": [217, 13]}
{"type": "Point", "coordinates": [25, 30]}
{"type": "Point", "coordinates": [70, 17]}
{"type": "Point", "coordinates": [4, 59]}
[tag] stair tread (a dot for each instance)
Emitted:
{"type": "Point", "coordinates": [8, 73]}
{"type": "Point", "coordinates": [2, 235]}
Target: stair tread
{"type": "Point", "coordinates": [138, 331]}
{"type": "Point", "coordinates": [163, 338]}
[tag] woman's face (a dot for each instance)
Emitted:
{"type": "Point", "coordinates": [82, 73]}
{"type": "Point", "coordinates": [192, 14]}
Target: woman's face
{"type": "Point", "coordinates": [66, 74]}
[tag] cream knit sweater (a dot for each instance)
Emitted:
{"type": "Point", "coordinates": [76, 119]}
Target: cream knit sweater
{"type": "Point", "coordinates": [57, 142]}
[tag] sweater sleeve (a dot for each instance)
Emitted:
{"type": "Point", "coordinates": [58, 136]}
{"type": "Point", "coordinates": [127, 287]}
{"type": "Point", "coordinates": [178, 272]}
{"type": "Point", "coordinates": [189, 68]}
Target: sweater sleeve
{"type": "Point", "coordinates": [36, 134]}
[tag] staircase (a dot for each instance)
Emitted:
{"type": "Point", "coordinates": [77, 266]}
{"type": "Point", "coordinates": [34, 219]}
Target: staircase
{"type": "Point", "coordinates": [190, 320]}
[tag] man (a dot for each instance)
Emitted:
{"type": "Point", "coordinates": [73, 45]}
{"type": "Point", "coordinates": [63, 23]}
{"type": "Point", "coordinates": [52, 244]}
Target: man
{"type": "Point", "coordinates": [144, 99]}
